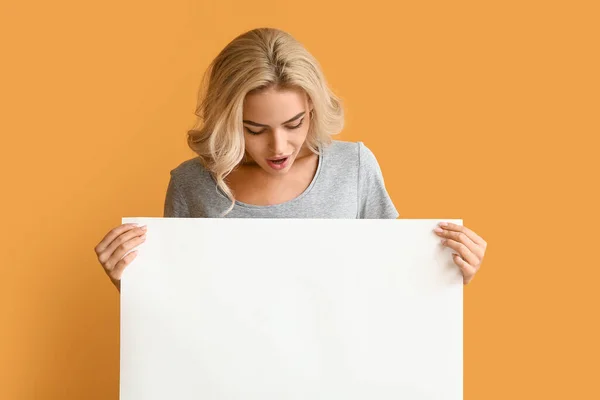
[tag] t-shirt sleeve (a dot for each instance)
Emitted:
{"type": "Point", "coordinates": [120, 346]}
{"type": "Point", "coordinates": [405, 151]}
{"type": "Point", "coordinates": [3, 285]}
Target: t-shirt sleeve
{"type": "Point", "coordinates": [175, 205]}
{"type": "Point", "coordinates": [374, 201]}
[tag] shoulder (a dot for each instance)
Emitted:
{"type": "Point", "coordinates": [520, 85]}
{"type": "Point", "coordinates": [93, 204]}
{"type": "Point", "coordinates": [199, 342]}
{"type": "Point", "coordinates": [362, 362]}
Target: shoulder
{"type": "Point", "coordinates": [342, 153]}
{"type": "Point", "coordinates": [354, 160]}
{"type": "Point", "coordinates": [190, 170]}
{"type": "Point", "coordinates": [189, 182]}
{"type": "Point", "coordinates": [352, 153]}
{"type": "Point", "coordinates": [341, 148]}
{"type": "Point", "coordinates": [192, 165]}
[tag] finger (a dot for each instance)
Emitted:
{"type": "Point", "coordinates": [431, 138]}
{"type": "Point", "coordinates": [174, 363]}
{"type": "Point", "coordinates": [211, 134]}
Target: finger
{"type": "Point", "coordinates": [105, 256]}
{"type": "Point", "coordinates": [468, 271]}
{"type": "Point", "coordinates": [461, 228]}
{"type": "Point", "coordinates": [463, 250]}
{"type": "Point", "coordinates": [117, 271]}
{"type": "Point", "coordinates": [122, 238]}
{"type": "Point", "coordinates": [123, 248]}
{"type": "Point", "coordinates": [462, 237]}
{"type": "Point", "coordinates": [110, 236]}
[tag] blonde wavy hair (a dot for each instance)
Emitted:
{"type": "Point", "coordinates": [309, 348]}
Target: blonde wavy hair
{"type": "Point", "coordinates": [256, 60]}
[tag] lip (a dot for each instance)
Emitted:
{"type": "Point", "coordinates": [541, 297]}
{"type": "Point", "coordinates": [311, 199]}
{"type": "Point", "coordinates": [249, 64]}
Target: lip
{"type": "Point", "coordinates": [279, 158]}
{"type": "Point", "coordinates": [278, 166]}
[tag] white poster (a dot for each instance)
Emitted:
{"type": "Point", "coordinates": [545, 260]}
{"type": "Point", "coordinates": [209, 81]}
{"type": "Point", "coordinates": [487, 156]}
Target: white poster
{"type": "Point", "coordinates": [303, 309]}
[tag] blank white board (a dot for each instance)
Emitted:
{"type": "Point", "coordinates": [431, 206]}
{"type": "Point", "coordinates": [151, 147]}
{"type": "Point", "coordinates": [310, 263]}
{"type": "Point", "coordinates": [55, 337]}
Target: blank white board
{"type": "Point", "coordinates": [265, 309]}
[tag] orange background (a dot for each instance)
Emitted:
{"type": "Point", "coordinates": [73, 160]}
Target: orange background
{"type": "Point", "coordinates": [489, 112]}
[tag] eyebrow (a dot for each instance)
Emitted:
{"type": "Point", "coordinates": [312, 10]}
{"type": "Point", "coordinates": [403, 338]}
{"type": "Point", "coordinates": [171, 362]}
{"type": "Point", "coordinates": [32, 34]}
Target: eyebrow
{"type": "Point", "coordinates": [266, 126]}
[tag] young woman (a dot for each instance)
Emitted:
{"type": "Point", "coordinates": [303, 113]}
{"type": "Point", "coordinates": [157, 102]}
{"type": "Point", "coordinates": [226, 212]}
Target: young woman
{"type": "Point", "coordinates": [264, 146]}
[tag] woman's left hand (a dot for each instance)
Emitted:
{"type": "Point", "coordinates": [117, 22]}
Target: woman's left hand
{"type": "Point", "coordinates": [469, 246]}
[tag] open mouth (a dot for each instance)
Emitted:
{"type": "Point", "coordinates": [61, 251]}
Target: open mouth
{"type": "Point", "coordinates": [278, 163]}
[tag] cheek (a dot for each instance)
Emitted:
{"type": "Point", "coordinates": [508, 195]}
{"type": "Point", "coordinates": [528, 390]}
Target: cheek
{"type": "Point", "coordinates": [254, 144]}
{"type": "Point", "coordinates": [300, 137]}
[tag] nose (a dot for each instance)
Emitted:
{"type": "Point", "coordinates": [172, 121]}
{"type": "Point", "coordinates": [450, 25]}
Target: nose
{"type": "Point", "coordinates": [278, 142]}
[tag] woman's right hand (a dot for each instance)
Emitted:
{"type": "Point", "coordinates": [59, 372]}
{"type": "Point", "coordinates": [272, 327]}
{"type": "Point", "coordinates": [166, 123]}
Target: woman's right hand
{"type": "Point", "coordinates": [114, 245]}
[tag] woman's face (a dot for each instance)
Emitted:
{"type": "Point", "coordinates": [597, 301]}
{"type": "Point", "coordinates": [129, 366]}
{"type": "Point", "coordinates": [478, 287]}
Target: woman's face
{"type": "Point", "coordinates": [275, 127]}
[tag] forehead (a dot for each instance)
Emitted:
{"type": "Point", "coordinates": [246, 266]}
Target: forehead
{"type": "Point", "coordinates": [274, 105]}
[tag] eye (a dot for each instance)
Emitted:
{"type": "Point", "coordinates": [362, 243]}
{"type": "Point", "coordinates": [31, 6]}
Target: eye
{"type": "Point", "coordinates": [252, 132]}
{"type": "Point", "coordinates": [289, 127]}
{"type": "Point", "coordinates": [297, 126]}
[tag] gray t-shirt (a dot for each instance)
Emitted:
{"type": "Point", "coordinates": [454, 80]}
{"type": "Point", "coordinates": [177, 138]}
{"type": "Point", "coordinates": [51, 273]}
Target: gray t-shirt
{"type": "Point", "coordinates": [348, 184]}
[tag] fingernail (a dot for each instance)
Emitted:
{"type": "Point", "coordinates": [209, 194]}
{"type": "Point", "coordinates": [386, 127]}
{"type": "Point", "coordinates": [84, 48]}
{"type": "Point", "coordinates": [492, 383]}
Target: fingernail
{"type": "Point", "coordinates": [144, 227]}
{"type": "Point", "coordinates": [443, 224]}
{"type": "Point", "coordinates": [438, 230]}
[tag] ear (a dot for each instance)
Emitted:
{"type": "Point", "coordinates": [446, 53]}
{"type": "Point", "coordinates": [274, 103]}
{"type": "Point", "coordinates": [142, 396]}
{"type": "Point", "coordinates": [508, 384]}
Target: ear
{"type": "Point", "coordinates": [310, 104]}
